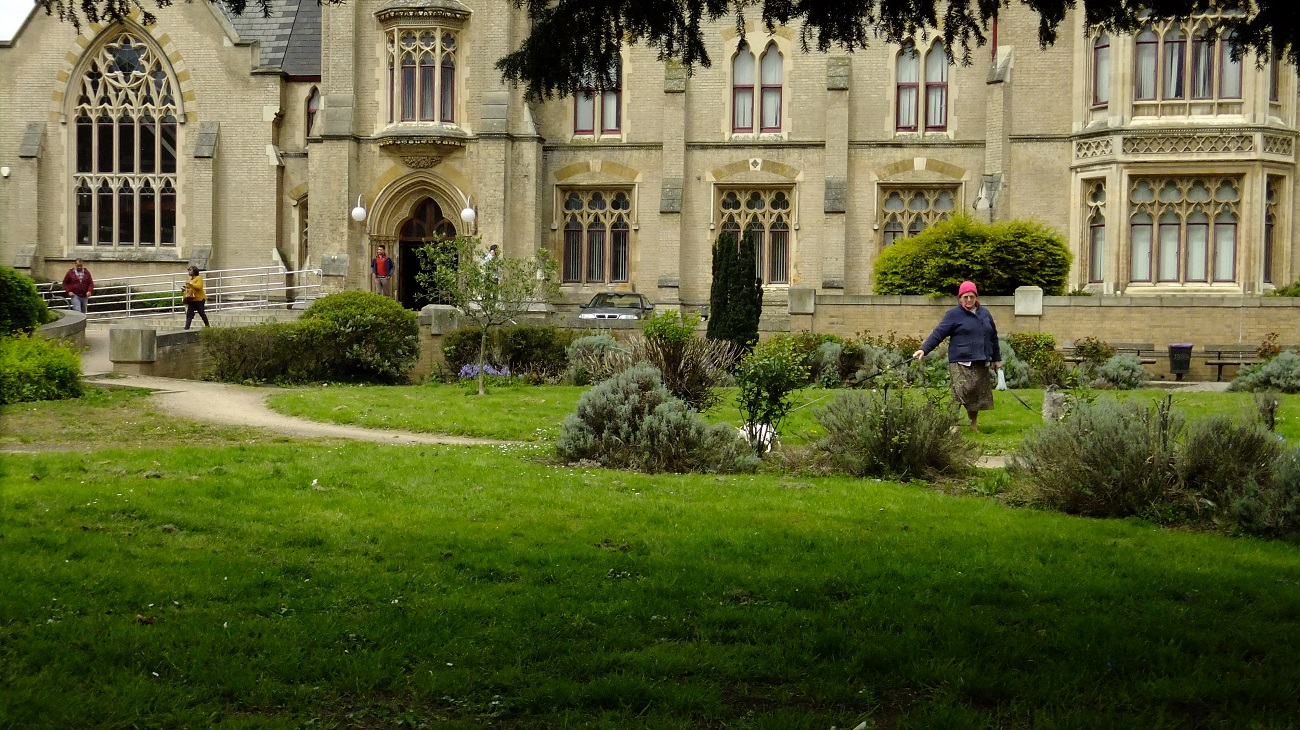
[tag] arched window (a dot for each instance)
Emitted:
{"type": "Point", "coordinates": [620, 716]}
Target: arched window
{"type": "Point", "coordinates": [596, 247]}
{"type": "Point", "coordinates": [598, 106]}
{"type": "Point", "coordinates": [1096, 202]}
{"type": "Point", "coordinates": [1175, 55]}
{"type": "Point", "coordinates": [1101, 70]}
{"type": "Point", "coordinates": [907, 96]}
{"type": "Point", "coordinates": [1195, 229]}
{"type": "Point", "coordinates": [313, 107]}
{"type": "Point", "coordinates": [764, 215]}
{"type": "Point", "coordinates": [1230, 71]}
{"type": "Point", "coordinates": [421, 74]}
{"type": "Point", "coordinates": [742, 90]}
{"type": "Point", "coordinates": [126, 135]}
{"type": "Point", "coordinates": [771, 90]}
{"type": "Point", "coordinates": [936, 89]}
{"type": "Point", "coordinates": [1202, 65]}
{"type": "Point", "coordinates": [1145, 63]}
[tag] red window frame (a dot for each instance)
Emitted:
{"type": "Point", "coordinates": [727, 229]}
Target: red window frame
{"type": "Point", "coordinates": [447, 90]}
{"type": "Point", "coordinates": [1165, 52]}
{"type": "Point", "coordinates": [1152, 245]}
{"type": "Point", "coordinates": [312, 98]}
{"type": "Point", "coordinates": [1096, 273]}
{"type": "Point", "coordinates": [764, 87]}
{"type": "Point", "coordinates": [617, 127]}
{"type": "Point", "coordinates": [589, 94]}
{"type": "Point", "coordinates": [915, 86]}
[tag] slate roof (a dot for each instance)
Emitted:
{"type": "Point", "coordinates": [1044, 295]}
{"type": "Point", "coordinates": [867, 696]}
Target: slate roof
{"type": "Point", "coordinates": [289, 38]}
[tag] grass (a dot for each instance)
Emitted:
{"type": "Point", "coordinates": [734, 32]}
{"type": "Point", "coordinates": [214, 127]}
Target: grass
{"type": "Point", "coordinates": [293, 585]}
{"type": "Point", "coordinates": [107, 416]}
{"type": "Point", "coordinates": [532, 413]}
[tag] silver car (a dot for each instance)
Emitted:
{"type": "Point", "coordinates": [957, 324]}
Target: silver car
{"type": "Point", "coordinates": [616, 305]}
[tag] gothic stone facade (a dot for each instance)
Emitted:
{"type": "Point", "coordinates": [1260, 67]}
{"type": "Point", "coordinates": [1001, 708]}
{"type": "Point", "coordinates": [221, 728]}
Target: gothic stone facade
{"type": "Point", "coordinates": [239, 142]}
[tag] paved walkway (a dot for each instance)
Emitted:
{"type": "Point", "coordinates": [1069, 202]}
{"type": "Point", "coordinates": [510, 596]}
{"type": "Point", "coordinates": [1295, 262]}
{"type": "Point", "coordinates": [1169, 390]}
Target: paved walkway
{"type": "Point", "coordinates": [241, 405]}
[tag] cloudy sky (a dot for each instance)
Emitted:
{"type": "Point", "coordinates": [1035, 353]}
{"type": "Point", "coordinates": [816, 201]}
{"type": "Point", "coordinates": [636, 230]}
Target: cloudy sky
{"type": "Point", "coordinates": [12, 15]}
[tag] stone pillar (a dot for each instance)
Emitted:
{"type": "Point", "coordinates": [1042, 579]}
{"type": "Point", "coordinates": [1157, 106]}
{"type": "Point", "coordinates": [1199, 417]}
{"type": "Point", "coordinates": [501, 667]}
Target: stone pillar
{"type": "Point", "coordinates": [835, 204]}
{"type": "Point", "coordinates": [20, 205]}
{"type": "Point", "coordinates": [669, 258]}
{"type": "Point", "coordinates": [991, 199]}
{"type": "Point", "coordinates": [200, 222]}
{"type": "Point", "coordinates": [335, 237]}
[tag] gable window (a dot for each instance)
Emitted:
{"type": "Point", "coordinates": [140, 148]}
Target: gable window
{"type": "Point", "coordinates": [1196, 71]}
{"type": "Point", "coordinates": [908, 98]}
{"type": "Point", "coordinates": [771, 90]}
{"type": "Point", "coordinates": [1183, 230]}
{"type": "Point", "coordinates": [742, 90]}
{"type": "Point", "coordinates": [599, 109]}
{"type": "Point", "coordinates": [936, 89]}
{"type": "Point", "coordinates": [126, 134]}
{"type": "Point", "coordinates": [1101, 70]}
{"type": "Point", "coordinates": [596, 238]}
{"type": "Point", "coordinates": [421, 74]}
{"type": "Point", "coordinates": [764, 215]}
{"type": "Point", "coordinates": [313, 107]}
{"type": "Point", "coordinates": [907, 210]}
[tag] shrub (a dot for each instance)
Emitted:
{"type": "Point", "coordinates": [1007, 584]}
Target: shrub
{"type": "Point", "coordinates": [735, 294]}
{"type": "Point", "coordinates": [584, 349]}
{"type": "Point", "coordinates": [1221, 455]}
{"type": "Point", "coordinates": [1289, 290]}
{"type": "Point", "coordinates": [1038, 350]}
{"type": "Point", "coordinates": [1122, 372]}
{"type": "Point", "coordinates": [373, 338]}
{"type": "Point", "coordinates": [889, 434]}
{"type": "Point", "coordinates": [526, 349]}
{"type": "Point", "coordinates": [1108, 459]}
{"type": "Point", "coordinates": [1092, 352]}
{"type": "Point", "coordinates": [768, 377]}
{"type": "Point", "coordinates": [21, 306]}
{"type": "Point", "coordinates": [1282, 373]}
{"type": "Point", "coordinates": [1273, 509]}
{"type": "Point", "coordinates": [1017, 370]}
{"type": "Point", "coordinates": [283, 352]}
{"type": "Point", "coordinates": [692, 368]}
{"type": "Point", "coordinates": [999, 257]}
{"type": "Point", "coordinates": [34, 368]}
{"type": "Point", "coordinates": [826, 365]}
{"type": "Point", "coordinates": [1268, 347]}
{"type": "Point", "coordinates": [632, 421]}
{"type": "Point", "coordinates": [670, 327]}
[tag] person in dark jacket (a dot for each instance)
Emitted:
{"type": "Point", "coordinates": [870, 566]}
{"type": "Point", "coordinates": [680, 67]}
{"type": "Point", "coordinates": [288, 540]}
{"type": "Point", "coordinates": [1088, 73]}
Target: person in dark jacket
{"type": "Point", "coordinates": [973, 352]}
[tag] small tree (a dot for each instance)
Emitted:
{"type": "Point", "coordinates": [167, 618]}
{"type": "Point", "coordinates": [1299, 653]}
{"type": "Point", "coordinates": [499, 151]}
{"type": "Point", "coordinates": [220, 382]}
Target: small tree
{"type": "Point", "coordinates": [736, 294]}
{"type": "Point", "coordinates": [488, 291]}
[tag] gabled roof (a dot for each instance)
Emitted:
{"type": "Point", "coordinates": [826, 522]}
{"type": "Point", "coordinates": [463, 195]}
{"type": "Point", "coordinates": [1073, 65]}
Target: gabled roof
{"type": "Point", "coordinates": [289, 38]}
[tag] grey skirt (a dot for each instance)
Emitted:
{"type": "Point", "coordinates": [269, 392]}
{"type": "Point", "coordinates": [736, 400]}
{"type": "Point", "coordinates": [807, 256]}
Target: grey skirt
{"type": "Point", "coordinates": [972, 386]}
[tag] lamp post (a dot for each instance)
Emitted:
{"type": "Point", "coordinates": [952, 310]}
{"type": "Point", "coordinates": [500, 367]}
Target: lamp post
{"type": "Point", "coordinates": [469, 216]}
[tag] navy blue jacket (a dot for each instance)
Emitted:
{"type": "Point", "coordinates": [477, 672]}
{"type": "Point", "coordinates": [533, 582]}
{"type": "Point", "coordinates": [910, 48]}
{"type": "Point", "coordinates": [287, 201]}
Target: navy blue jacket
{"type": "Point", "coordinates": [974, 337]}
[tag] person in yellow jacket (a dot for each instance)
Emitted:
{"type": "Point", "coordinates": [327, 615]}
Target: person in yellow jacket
{"type": "Point", "coordinates": [195, 298]}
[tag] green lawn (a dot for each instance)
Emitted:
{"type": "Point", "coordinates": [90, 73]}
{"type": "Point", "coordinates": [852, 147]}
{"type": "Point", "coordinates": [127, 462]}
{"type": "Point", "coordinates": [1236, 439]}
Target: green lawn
{"type": "Point", "coordinates": [365, 586]}
{"type": "Point", "coordinates": [530, 413]}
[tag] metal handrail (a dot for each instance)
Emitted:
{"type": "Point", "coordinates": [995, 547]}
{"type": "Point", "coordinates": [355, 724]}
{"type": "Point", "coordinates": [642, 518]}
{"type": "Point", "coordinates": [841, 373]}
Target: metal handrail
{"type": "Point", "coordinates": [247, 288]}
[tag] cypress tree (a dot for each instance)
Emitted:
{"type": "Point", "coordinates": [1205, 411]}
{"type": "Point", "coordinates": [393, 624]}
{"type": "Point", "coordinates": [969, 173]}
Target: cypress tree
{"type": "Point", "coordinates": [736, 294]}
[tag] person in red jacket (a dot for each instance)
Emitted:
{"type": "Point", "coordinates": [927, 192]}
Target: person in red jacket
{"type": "Point", "coordinates": [79, 285]}
{"type": "Point", "coordinates": [382, 268]}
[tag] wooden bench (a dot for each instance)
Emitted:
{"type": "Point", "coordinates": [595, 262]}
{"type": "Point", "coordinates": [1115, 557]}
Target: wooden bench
{"type": "Point", "coordinates": [1144, 351]}
{"type": "Point", "coordinates": [1221, 356]}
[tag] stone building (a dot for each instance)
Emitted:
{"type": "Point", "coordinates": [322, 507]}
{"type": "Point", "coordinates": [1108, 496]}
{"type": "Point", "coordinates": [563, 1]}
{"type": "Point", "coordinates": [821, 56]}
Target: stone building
{"type": "Point", "coordinates": [236, 142]}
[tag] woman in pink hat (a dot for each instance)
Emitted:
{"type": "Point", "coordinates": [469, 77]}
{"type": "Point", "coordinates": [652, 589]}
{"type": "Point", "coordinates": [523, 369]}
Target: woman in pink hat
{"type": "Point", "coordinates": [973, 352]}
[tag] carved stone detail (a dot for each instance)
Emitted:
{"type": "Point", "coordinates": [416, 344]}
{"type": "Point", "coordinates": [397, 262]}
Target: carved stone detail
{"type": "Point", "coordinates": [1277, 145]}
{"type": "Point", "coordinates": [420, 162]}
{"type": "Point", "coordinates": [1087, 149]}
{"type": "Point", "coordinates": [1175, 144]}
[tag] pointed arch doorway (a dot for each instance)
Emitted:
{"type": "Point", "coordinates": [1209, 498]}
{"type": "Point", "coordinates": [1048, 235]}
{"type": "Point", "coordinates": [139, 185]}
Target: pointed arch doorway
{"type": "Point", "coordinates": [426, 223]}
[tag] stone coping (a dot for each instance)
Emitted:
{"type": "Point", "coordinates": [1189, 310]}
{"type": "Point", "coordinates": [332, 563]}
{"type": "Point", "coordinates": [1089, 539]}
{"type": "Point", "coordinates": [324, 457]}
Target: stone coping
{"type": "Point", "coordinates": [1169, 301]}
{"type": "Point", "coordinates": [69, 325]}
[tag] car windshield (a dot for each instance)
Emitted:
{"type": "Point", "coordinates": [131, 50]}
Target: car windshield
{"type": "Point", "coordinates": [631, 301]}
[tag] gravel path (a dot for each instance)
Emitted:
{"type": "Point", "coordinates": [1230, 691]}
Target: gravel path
{"type": "Point", "coordinates": [242, 405]}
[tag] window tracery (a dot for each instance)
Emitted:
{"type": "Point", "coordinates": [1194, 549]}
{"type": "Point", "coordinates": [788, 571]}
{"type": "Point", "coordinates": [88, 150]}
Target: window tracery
{"type": "Point", "coordinates": [906, 211]}
{"type": "Point", "coordinates": [422, 74]}
{"type": "Point", "coordinates": [596, 239]}
{"type": "Point", "coordinates": [766, 215]}
{"type": "Point", "coordinates": [1183, 230]}
{"type": "Point", "coordinates": [125, 139]}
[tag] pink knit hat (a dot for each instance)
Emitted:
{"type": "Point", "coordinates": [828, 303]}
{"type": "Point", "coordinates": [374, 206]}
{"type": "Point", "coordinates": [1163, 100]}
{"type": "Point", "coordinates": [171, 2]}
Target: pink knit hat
{"type": "Point", "coordinates": [967, 286]}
